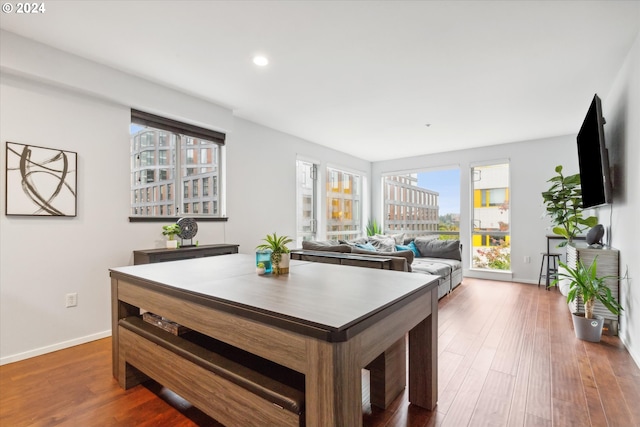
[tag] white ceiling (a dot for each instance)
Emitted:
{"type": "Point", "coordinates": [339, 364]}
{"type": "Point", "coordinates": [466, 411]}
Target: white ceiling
{"type": "Point", "coordinates": [364, 77]}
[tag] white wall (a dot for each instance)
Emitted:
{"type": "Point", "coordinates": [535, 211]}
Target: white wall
{"type": "Point", "coordinates": [84, 107]}
{"type": "Point", "coordinates": [532, 163]}
{"type": "Point", "coordinates": [622, 132]}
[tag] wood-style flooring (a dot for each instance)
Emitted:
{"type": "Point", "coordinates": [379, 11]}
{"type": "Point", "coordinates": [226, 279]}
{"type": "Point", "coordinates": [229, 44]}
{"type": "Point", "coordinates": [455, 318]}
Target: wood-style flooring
{"type": "Point", "coordinates": [507, 357]}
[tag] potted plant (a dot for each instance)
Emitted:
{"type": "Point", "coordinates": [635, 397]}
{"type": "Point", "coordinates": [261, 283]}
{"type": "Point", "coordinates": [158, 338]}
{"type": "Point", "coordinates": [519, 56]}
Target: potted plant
{"type": "Point", "coordinates": [260, 269]}
{"type": "Point", "coordinates": [279, 252]}
{"type": "Point", "coordinates": [171, 231]}
{"type": "Point", "coordinates": [585, 284]}
{"type": "Point", "coordinates": [563, 203]}
{"type": "Point", "coordinates": [373, 227]}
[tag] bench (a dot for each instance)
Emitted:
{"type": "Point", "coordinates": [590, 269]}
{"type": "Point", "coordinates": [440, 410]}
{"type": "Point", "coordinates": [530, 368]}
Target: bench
{"type": "Point", "coordinates": [233, 386]}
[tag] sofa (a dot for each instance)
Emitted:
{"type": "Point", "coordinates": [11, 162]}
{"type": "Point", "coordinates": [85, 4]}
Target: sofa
{"type": "Point", "coordinates": [422, 255]}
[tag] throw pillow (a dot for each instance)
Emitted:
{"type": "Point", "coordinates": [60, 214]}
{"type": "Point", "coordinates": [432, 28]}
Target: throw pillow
{"type": "Point", "coordinates": [412, 246]}
{"type": "Point", "coordinates": [366, 246]}
{"type": "Point", "coordinates": [435, 248]}
{"type": "Point", "coordinates": [383, 243]}
{"type": "Point", "coordinates": [398, 238]}
{"type": "Point", "coordinates": [359, 240]}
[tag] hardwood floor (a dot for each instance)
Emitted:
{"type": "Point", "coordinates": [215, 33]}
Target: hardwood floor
{"type": "Point", "coordinates": [507, 356]}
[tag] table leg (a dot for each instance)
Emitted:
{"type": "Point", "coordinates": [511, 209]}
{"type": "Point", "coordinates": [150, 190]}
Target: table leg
{"type": "Point", "coordinates": [388, 373]}
{"type": "Point", "coordinates": [333, 384]}
{"type": "Point", "coordinates": [119, 310]}
{"type": "Point", "coordinates": [423, 359]}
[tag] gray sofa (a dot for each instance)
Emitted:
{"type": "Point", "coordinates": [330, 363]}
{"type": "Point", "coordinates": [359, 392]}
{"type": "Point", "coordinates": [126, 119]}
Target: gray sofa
{"type": "Point", "coordinates": [422, 255]}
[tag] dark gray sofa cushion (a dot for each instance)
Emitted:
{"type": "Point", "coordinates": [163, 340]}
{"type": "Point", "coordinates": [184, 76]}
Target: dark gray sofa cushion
{"type": "Point", "coordinates": [328, 245]}
{"type": "Point", "coordinates": [435, 248]}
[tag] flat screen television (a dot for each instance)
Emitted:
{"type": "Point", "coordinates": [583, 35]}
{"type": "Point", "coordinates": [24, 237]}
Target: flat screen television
{"type": "Point", "coordinates": [593, 158]}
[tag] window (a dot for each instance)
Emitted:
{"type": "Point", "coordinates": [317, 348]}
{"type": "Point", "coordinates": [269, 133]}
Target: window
{"type": "Point", "coordinates": [344, 204]}
{"type": "Point", "coordinates": [423, 203]}
{"type": "Point", "coordinates": [167, 154]}
{"type": "Point", "coordinates": [491, 240]}
{"type": "Point", "coordinates": [306, 187]}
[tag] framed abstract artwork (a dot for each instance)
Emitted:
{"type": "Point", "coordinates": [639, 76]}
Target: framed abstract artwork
{"type": "Point", "coordinates": [40, 181]}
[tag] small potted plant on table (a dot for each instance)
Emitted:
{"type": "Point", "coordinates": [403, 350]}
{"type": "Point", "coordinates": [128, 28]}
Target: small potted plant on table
{"type": "Point", "coordinates": [171, 231]}
{"type": "Point", "coordinates": [279, 252]}
{"type": "Point", "coordinates": [585, 284]}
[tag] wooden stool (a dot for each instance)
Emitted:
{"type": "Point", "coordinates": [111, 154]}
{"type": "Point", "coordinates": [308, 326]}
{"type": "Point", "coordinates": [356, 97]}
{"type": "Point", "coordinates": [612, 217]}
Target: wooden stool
{"type": "Point", "coordinates": [552, 268]}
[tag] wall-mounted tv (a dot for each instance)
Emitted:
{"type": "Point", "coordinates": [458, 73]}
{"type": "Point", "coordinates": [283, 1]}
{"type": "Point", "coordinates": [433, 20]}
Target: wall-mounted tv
{"type": "Point", "coordinates": [593, 158]}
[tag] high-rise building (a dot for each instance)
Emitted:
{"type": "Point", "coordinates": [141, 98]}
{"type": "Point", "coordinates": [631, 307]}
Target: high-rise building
{"type": "Point", "coordinates": [409, 208]}
{"type": "Point", "coordinates": [159, 189]}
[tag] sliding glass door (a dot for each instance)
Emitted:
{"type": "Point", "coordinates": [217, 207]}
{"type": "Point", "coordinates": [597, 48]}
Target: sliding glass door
{"type": "Point", "coordinates": [490, 238]}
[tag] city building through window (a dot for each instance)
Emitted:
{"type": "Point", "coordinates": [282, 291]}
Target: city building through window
{"type": "Point", "coordinates": [422, 203]}
{"type": "Point", "coordinates": [344, 204]}
{"type": "Point", "coordinates": [167, 154]}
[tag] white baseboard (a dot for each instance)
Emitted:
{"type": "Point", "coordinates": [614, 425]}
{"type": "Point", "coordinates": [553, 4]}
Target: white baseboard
{"type": "Point", "coordinates": [55, 347]}
{"type": "Point", "coordinates": [499, 275]}
{"type": "Point", "coordinates": [634, 356]}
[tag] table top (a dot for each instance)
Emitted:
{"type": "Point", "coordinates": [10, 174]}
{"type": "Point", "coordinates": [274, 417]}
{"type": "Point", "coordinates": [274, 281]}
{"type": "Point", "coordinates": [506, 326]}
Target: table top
{"type": "Point", "coordinates": [186, 248]}
{"type": "Point", "coordinates": [326, 300]}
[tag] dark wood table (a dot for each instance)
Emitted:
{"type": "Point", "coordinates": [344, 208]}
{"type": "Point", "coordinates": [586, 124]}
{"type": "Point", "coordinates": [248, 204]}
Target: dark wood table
{"type": "Point", "coordinates": [325, 321]}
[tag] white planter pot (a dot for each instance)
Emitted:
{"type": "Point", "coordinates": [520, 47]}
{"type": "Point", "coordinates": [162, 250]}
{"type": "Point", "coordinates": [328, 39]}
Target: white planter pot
{"type": "Point", "coordinates": [172, 244]}
{"type": "Point", "coordinates": [284, 264]}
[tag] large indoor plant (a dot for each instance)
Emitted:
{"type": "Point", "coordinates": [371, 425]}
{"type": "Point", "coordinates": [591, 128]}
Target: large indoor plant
{"type": "Point", "coordinates": [563, 203]}
{"type": "Point", "coordinates": [279, 252]}
{"type": "Point", "coordinates": [585, 284]}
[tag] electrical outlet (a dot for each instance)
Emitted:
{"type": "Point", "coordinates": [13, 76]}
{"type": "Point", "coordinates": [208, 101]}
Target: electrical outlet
{"type": "Point", "coordinates": [527, 260]}
{"type": "Point", "coordinates": [72, 300]}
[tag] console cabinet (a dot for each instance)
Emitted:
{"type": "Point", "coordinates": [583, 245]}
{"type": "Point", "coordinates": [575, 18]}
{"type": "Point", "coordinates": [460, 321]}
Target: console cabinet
{"type": "Point", "coordinates": [149, 256]}
{"type": "Point", "coordinates": [607, 265]}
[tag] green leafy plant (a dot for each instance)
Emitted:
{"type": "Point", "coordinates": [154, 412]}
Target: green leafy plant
{"type": "Point", "coordinates": [585, 283]}
{"type": "Point", "coordinates": [563, 203]}
{"type": "Point", "coordinates": [277, 245]}
{"type": "Point", "coordinates": [260, 265]}
{"type": "Point", "coordinates": [373, 227]}
{"type": "Point", "coordinates": [171, 230]}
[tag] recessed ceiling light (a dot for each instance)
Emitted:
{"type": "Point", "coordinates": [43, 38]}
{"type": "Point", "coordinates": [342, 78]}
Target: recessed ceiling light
{"type": "Point", "coordinates": [428, 125]}
{"type": "Point", "coordinates": [260, 61]}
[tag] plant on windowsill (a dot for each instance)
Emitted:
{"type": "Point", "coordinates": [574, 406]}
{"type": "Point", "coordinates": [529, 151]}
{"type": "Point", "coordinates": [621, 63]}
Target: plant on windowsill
{"type": "Point", "coordinates": [587, 287]}
{"type": "Point", "coordinates": [563, 204]}
{"type": "Point", "coordinates": [171, 231]}
{"type": "Point", "coordinates": [279, 252]}
{"type": "Point", "coordinates": [373, 227]}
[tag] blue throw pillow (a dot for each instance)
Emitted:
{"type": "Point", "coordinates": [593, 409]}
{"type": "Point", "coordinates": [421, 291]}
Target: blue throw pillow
{"type": "Point", "coordinates": [414, 249]}
{"type": "Point", "coordinates": [366, 246]}
{"type": "Point", "coordinates": [402, 248]}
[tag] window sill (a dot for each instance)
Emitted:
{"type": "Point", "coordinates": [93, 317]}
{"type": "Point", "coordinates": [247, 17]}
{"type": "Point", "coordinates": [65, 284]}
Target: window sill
{"type": "Point", "coordinates": [176, 218]}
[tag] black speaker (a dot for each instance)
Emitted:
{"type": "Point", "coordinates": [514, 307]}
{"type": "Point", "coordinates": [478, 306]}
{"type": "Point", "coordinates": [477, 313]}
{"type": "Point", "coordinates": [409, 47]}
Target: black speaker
{"type": "Point", "coordinates": [595, 235]}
